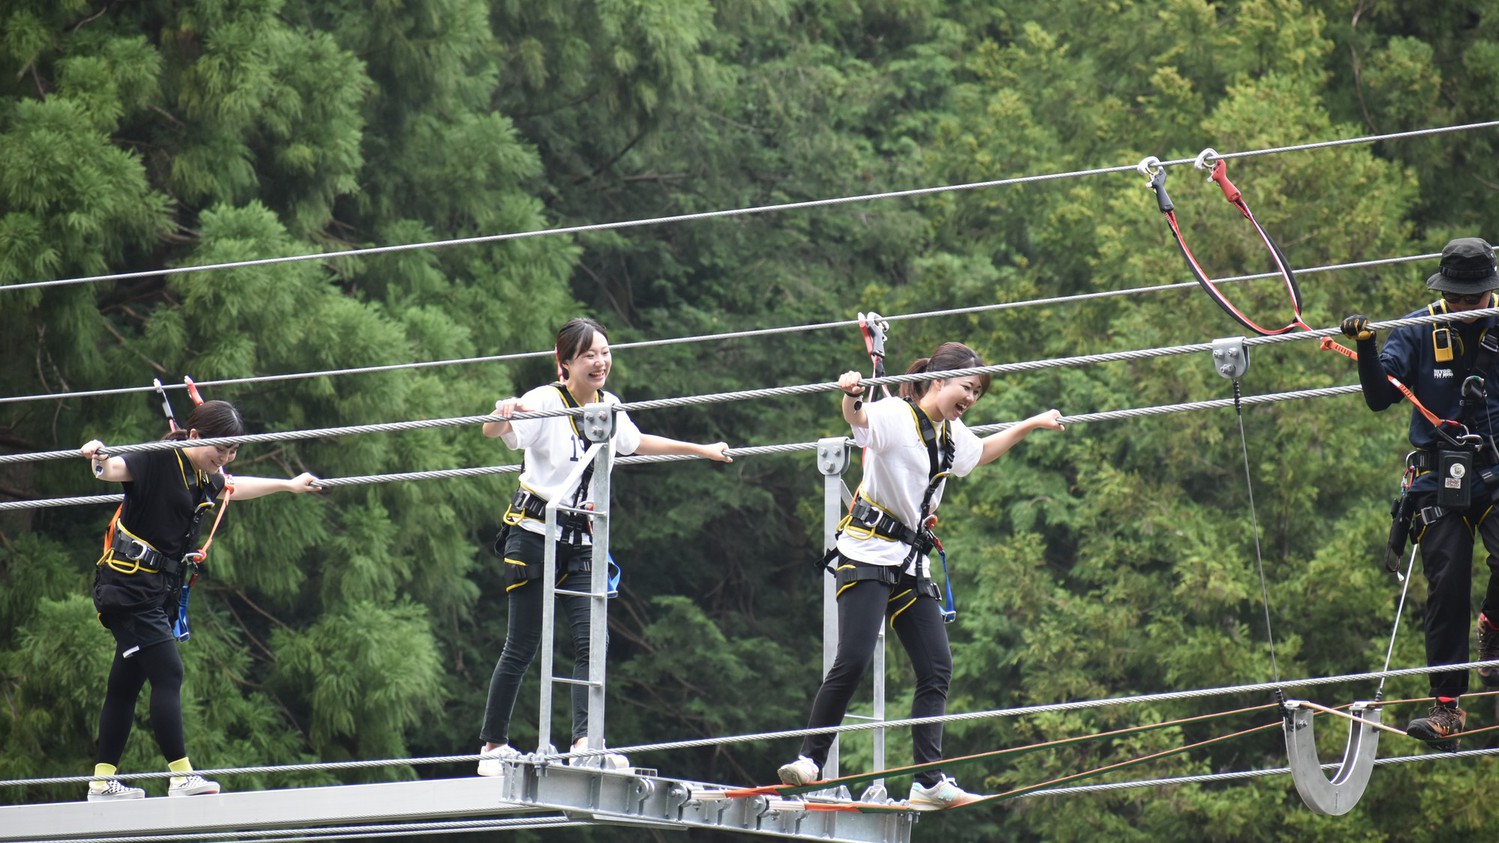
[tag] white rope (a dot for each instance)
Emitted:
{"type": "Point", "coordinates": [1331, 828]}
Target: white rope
{"type": "Point", "coordinates": [729, 335]}
{"type": "Point", "coordinates": [736, 212]}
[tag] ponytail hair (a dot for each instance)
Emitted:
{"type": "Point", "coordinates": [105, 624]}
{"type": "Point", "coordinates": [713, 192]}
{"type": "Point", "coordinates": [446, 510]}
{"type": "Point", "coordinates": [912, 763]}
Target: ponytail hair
{"type": "Point", "coordinates": [949, 356]}
{"type": "Point", "coordinates": [212, 419]}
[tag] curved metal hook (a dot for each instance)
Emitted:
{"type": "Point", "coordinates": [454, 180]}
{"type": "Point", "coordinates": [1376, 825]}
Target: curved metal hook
{"type": "Point", "coordinates": [1148, 167]}
{"type": "Point", "coordinates": [1206, 159]}
{"type": "Point", "coordinates": [1338, 795]}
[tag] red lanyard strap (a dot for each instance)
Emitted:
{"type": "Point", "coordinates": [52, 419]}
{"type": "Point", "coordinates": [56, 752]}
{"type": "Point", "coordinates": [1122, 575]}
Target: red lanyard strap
{"type": "Point", "coordinates": [1329, 344]}
{"type": "Point", "coordinates": [1152, 169]}
{"type": "Point", "coordinates": [200, 555]}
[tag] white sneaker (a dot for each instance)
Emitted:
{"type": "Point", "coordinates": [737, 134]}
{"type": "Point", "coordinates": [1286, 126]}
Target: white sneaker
{"type": "Point", "coordinates": [940, 796]}
{"type": "Point", "coordinates": [799, 772]}
{"type": "Point", "coordinates": [605, 761]}
{"type": "Point", "coordinates": [109, 790]}
{"type": "Point", "coordinates": [192, 784]}
{"type": "Point", "coordinates": [490, 760]}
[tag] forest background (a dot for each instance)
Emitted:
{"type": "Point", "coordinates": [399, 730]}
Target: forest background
{"type": "Point", "coordinates": [1114, 559]}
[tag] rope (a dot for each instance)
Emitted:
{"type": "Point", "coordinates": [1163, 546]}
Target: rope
{"type": "Point", "coordinates": [757, 332]}
{"type": "Point", "coordinates": [735, 212]}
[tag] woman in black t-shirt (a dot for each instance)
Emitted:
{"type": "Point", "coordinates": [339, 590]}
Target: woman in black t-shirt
{"type": "Point", "coordinates": [168, 494]}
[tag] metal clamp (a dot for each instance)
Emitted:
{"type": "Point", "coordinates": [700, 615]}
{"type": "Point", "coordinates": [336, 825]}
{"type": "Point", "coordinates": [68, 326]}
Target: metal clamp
{"type": "Point", "coordinates": [832, 456]}
{"type": "Point", "coordinates": [1230, 357]}
{"type": "Point", "coordinates": [598, 423]}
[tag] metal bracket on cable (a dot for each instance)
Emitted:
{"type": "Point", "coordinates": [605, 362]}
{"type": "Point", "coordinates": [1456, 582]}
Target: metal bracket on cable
{"type": "Point", "coordinates": [598, 422]}
{"type": "Point", "coordinates": [1230, 357]}
{"type": "Point", "coordinates": [832, 456]}
{"type": "Point", "coordinates": [1338, 795]}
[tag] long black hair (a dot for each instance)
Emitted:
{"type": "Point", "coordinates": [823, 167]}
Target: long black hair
{"type": "Point", "coordinates": [947, 357]}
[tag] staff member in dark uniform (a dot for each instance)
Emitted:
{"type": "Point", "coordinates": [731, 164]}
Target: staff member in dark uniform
{"type": "Point", "coordinates": [168, 494]}
{"type": "Point", "coordinates": [1453, 370]}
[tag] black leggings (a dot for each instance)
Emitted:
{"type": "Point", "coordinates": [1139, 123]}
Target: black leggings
{"type": "Point", "coordinates": [161, 665]}
{"type": "Point", "coordinates": [917, 620]}
{"type": "Point", "coordinates": [523, 635]}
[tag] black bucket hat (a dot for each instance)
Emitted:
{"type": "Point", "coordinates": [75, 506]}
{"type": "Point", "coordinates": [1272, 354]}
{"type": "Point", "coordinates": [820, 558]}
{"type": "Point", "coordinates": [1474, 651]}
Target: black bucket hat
{"type": "Point", "coordinates": [1467, 267]}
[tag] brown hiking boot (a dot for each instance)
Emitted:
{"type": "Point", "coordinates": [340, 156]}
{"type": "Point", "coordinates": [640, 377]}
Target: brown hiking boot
{"type": "Point", "coordinates": [1438, 726]}
{"type": "Point", "coordinates": [1488, 650]}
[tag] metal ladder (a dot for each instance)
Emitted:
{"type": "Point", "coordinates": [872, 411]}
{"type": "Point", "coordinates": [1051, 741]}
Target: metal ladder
{"type": "Point", "coordinates": [597, 426]}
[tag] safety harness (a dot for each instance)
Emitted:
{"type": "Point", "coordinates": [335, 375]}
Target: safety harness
{"type": "Point", "coordinates": [572, 526]}
{"type": "Point", "coordinates": [1407, 522]}
{"type": "Point", "coordinates": [128, 554]}
{"type": "Point", "coordinates": [867, 518]}
{"type": "Point", "coordinates": [527, 504]}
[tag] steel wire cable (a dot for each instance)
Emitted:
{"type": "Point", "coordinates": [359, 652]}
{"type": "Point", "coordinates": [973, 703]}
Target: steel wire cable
{"type": "Point", "coordinates": [752, 450]}
{"type": "Point", "coordinates": [729, 335]}
{"type": "Point", "coordinates": [733, 212]}
{"type": "Point", "coordinates": [749, 394]}
{"type": "Point", "coordinates": [1211, 778]}
{"type": "Point", "coordinates": [716, 741]}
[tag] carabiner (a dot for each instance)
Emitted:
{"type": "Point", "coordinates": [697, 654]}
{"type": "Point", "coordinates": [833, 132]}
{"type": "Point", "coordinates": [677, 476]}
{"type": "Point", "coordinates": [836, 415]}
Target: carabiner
{"type": "Point", "coordinates": [1206, 160]}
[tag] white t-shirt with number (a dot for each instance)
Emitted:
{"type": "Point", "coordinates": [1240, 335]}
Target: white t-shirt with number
{"type": "Point", "coordinates": [554, 446]}
{"type": "Point", "coordinates": [896, 472]}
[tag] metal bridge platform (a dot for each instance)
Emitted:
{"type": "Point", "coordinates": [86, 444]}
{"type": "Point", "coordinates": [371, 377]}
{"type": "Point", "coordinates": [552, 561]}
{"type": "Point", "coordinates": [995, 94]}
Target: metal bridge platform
{"type": "Point", "coordinates": [548, 791]}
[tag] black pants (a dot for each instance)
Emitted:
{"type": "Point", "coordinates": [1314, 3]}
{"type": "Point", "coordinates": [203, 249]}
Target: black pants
{"type": "Point", "coordinates": [1447, 561]}
{"type": "Point", "coordinates": [917, 620]}
{"type": "Point", "coordinates": [523, 634]}
{"type": "Point", "coordinates": [161, 665]}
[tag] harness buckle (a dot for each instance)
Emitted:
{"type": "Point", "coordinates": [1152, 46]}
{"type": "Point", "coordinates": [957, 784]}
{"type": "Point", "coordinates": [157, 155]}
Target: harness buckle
{"type": "Point", "coordinates": [130, 548]}
{"type": "Point", "coordinates": [1431, 514]}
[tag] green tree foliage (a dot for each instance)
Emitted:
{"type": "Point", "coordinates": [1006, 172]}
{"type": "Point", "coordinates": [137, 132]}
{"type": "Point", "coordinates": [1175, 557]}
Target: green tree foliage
{"type": "Point", "coordinates": [1118, 558]}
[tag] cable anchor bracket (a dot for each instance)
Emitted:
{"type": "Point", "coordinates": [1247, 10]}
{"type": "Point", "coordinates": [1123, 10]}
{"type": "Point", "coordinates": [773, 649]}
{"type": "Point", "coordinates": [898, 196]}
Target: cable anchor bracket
{"type": "Point", "coordinates": [1230, 357]}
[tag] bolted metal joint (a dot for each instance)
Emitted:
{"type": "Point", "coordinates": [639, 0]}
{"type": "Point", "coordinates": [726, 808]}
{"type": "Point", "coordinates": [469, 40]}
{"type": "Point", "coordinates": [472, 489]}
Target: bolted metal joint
{"type": "Point", "coordinates": [598, 422]}
{"type": "Point", "coordinates": [1230, 357]}
{"type": "Point", "coordinates": [832, 456]}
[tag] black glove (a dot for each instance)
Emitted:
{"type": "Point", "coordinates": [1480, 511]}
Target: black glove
{"type": "Point", "coordinates": [1357, 327]}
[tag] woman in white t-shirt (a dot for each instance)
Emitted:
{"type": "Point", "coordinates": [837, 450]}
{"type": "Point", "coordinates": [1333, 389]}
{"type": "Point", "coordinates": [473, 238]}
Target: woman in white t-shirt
{"type": "Point", "coordinates": [912, 445]}
{"type": "Point", "coordinates": [553, 446]}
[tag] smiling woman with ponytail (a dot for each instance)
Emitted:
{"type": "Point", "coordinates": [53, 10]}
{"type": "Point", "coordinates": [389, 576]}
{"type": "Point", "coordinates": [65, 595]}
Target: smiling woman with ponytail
{"type": "Point", "coordinates": [882, 572]}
